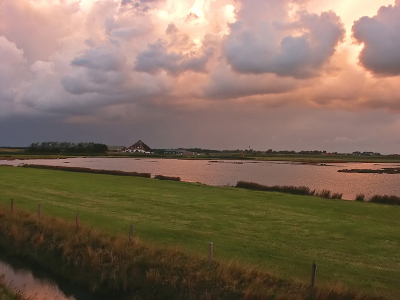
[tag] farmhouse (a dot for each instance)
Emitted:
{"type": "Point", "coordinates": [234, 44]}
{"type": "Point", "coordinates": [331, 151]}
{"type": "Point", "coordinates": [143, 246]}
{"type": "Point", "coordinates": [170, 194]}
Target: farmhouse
{"type": "Point", "coordinates": [140, 147]}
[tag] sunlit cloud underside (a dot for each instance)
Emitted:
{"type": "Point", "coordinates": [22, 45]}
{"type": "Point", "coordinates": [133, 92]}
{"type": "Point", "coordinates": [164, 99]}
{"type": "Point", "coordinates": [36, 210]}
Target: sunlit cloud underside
{"type": "Point", "coordinates": [279, 74]}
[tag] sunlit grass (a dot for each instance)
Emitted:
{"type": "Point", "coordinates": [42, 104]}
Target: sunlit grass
{"type": "Point", "coordinates": [115, 267]}
{"type": "Point", "coordinates": [353, 243]}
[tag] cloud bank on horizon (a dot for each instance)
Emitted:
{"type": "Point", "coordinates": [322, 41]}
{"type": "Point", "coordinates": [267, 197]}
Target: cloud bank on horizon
{"type": "Point", "coordinates": [202, 72]}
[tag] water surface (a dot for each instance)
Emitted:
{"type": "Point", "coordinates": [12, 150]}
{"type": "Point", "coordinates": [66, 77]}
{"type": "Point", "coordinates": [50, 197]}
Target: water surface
{"type": "Point", "coordinates": [37, 284]}
{"type": "Point", "coordinates": [227, 172]}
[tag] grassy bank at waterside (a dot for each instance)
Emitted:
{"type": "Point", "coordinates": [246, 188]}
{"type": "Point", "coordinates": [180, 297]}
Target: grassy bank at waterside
{"type": "Point", "coordinates": [355, 245]}
{"type": "Point", "coordinates": [114, 267]}
{"type": "Point", "coordinates": [6, 293]}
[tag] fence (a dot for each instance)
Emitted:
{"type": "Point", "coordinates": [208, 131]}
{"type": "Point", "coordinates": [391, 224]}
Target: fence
{"type": "Point", "coordinates": [212, 245]}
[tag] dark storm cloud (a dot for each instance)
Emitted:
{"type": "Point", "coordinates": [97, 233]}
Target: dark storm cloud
{"type": "Point", "coordinates": [380, 36]}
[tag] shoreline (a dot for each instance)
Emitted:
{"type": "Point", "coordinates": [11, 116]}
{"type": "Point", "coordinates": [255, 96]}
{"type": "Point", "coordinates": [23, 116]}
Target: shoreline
{"type": "Point", "coordinates": [294, 190]}
{"type": "Point", "coordinates": [301, 159]}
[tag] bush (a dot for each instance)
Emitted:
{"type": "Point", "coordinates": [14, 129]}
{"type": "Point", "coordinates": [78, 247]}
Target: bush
{"type": "Point", "coordinates": [324, 194]}
{"type": "Point", "coordinates": [87, 170]}
{"type": "Point", "coordinates": [301, 190]}
{"type": "Point", "coordinates": [289, 189]}
{"type": "Point", "coordinates": [360, 197]}
{"type": "Point", "coordinates": [162, 177]}
{"type": "Point", "coordinates": [392, 200]}
{"type": "Point", "coordinates": [336, 196]}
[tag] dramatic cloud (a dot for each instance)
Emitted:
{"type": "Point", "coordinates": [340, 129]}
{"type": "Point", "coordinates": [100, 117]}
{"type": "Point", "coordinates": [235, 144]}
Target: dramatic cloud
{"type": "Point", "coordinates": [11, 68]}
{"type": "Point", "coordinates": [380, 36]}
{"type": "Point", "coordinates": [217, 74]}
{"type": "Point", "coordinates": [225, 84]}
{"type": "Point", "coordinates": [12, 64]}
{"type": "Point", "coordinates": [38, 27]}
{"type": "Point", "coordinates": [296, 47]}
{"type": "Point", "coordinates": [157, 57]}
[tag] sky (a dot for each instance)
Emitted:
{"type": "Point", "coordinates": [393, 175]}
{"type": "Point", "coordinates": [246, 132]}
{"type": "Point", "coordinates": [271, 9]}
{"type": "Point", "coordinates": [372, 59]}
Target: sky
{"type": "Point", "coordinates": [216, 74]}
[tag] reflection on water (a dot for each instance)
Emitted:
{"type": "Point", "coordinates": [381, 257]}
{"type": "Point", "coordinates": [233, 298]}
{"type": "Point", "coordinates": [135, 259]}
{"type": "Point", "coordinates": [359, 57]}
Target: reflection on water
{"type": "Point", "coordinates": [37, 284]}
{"type": "Point", "coordinates": [216, 172]}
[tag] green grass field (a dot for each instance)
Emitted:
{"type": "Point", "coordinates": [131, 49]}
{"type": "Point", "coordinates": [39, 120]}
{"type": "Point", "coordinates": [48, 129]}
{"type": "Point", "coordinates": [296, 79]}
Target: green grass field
{"type": "Point", "coordinates": [354, 244]}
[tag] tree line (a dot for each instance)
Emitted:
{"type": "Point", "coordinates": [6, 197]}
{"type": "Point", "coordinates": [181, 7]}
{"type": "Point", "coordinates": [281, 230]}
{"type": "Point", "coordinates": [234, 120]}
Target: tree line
{"type": "Point", "coordinates": [66, 147]}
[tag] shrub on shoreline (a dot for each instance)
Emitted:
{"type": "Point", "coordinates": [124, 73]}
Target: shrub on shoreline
{"type": "Point", "coordinates": [385, 199]}
{"type": "Point", "coordinates": [360, 197]}
{"type": "Point", "coordinates": [88, 170]}
{"type": "Point", "coordinates": [289, 189]}
{"type": "Point", "coordinates": [381, 199]}
{"type": "Point", "coordinates": [300, 190]}
{"type": "Point", "coordinates": [162, 177]}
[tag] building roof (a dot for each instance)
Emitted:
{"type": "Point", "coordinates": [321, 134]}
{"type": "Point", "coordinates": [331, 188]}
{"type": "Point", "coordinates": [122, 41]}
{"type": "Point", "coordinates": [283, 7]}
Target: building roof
{"type": "Point", "coordinates": [140, 145]}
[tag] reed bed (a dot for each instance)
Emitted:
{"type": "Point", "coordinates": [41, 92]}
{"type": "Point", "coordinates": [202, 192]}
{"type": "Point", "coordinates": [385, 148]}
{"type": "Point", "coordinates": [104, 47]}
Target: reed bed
{"type": "Point", "coordinates": [8, 293]}
{"type": "Point", "coordinates": [382, 199]}
{"type": "Point", "coordinates": [385, 199]}
{"type": "Point", "coordinates": [162, 177]}
{"type": "Point", "coordinates": [88, 170]}
{"type": "Point", "coordinates": [360, 197]}
{"type": "Point", "coordinates": [289, 189]}
{"type": "Point", "coordinates": [113, 268]}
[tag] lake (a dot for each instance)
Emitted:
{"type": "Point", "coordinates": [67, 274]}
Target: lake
{"type": "Point", "coordinates": [228, 172]}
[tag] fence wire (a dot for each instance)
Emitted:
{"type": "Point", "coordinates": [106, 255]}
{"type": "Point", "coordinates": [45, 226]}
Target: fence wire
{"type": "Point", "coordinates": [176, 237]}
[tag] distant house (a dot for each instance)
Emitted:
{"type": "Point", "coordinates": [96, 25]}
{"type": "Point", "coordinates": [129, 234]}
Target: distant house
{"type": "Point", "coordinates": [139, 147]}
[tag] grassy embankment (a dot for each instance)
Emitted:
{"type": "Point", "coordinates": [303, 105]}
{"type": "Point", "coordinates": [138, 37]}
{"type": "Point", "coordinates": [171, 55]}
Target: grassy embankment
{"type": "Point", "coordinates": [6, 293]}
{"type": "Point", "coordinates": [115, 268]}
{"type": "Point", "coordinates": [354, 244]}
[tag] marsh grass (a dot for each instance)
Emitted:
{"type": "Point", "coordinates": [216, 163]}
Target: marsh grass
{"type": "Point", "coordinates": [385, 199]}
{"type": "Point", "coordinates": [381, 199]}
{"type": "Point", "coordinates": [114, 268]}
{"type": "Point", "coordinates": [162, 177]}
{"type": "Point", "coordinates": [8, 293]}
{"type": "Point", "coordinates": [295, 190]}
{"type": "Point", "coordinates": [88, 170]}
{"type": "Point", "coordinates": [360, 197]}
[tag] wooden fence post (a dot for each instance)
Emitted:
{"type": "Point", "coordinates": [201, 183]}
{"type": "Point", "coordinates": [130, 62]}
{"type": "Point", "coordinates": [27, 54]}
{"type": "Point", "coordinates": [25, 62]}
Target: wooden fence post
{"type": "Point", "coordinates": [39, 209]}
{"type": "Point", "coordinates": [210, 253]}
{"type": "Point", "coordinates": [131, 233]}
{"type": "Point", "coordinates": [12, 205]}
{"type": "Point", "coordinates": [313, 274]}
{"type": "Point", "coordinates": [77, 221]}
